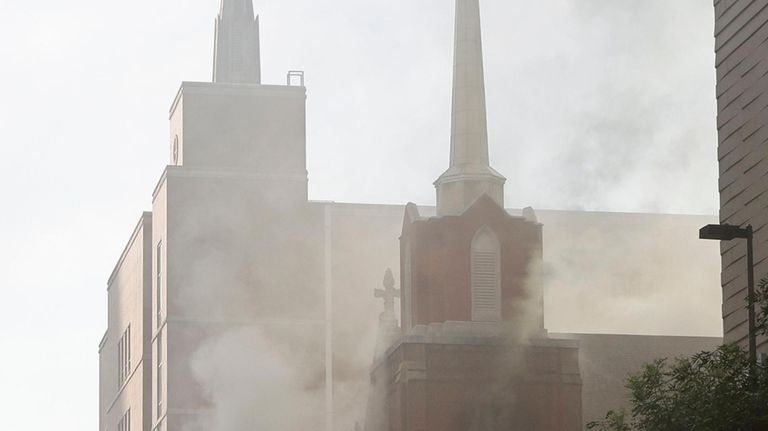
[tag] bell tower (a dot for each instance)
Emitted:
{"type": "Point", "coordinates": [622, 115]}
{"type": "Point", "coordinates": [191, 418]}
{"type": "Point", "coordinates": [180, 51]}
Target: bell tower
{"type": "Point", "coordinates": [473, 353]}
{"type": "Point", "coordinates": [474, 262]}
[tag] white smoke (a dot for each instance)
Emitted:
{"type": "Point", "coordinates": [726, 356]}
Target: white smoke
{"type": "Point", "coordinates": [252, 385]}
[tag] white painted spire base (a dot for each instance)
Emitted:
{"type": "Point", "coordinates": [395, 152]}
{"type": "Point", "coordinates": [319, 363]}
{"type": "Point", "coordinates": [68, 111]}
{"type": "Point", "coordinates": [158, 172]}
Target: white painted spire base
{"type": "Point", "coordinates": [457, 192]}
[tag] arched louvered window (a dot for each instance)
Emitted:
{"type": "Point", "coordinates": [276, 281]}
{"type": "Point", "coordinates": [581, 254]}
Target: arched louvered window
{"type": "Point", "coordinates": [486, 276]}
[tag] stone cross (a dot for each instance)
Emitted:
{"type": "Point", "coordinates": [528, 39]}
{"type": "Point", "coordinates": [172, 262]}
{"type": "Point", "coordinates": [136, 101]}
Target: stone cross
{"type": "Point", "coordinates": [388, 294]}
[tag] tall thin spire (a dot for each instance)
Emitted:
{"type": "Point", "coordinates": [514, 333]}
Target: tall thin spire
{"type": "Point", "coordinates": [236, 57]}
{"type": "Point", "coordinates": [469, 175]}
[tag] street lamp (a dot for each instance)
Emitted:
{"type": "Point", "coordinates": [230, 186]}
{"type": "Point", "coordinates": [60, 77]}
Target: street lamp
{"type": "Point", "coordinates": [726, 232]}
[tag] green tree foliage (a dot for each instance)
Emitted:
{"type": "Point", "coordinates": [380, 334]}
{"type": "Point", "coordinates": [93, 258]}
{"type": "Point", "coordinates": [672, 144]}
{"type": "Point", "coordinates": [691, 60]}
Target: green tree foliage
{"type": "Point", "coordinates": [761, 304]}
{"type": "Point", "coordinates": [710, 391]}
{"type": "Point", "coordinates": [614, 421]}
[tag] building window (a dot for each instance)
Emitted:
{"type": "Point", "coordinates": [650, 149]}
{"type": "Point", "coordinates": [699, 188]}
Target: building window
{"type": "Point", "coordinates": [486, 276]}
{"type": "Point", "coordinates": [125, 422]}
{"type": "Point", "coordinates": [159, 271]}
{"type": "Point", "coordinates": [124, 357]}
{"type": "Point", "coordinates": [160, 375]}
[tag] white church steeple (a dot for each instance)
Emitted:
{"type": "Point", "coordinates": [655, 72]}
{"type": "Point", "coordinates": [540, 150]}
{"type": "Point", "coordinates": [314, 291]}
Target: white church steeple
{"type": "Point", "coordinates": [469, 175]}
{"type": "Point", "coordinates": [236, 57]}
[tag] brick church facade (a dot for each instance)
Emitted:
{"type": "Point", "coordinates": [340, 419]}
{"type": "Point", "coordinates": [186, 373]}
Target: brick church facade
{"type": "Point", "coordinates": [475, 354]}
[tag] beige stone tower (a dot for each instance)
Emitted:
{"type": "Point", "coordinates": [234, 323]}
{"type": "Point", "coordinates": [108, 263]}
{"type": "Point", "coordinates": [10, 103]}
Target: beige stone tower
{"type": "Point", "coordinates": [231, 251]}
{"type": "Point", "coordinates": [470, 174]}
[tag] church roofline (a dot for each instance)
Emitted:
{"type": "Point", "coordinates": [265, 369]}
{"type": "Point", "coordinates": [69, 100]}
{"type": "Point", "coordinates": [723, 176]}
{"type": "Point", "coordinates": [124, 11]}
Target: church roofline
{"type": "Point", "coordinates": [417, 217]}
{"type": "Point", "coordinates": [485, 198]}
{"type": "Point", "coordinates": [430, 208]}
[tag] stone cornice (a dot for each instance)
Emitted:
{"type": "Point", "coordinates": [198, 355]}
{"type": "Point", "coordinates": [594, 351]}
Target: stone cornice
{"type": "Point", "coordinates": [221, 173]}
{"type": "Point", "coordinates": [211, 88]}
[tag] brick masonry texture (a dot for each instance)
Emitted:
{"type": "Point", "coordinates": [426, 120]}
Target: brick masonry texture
{"type": "Point", "coordinates": [741, 47]}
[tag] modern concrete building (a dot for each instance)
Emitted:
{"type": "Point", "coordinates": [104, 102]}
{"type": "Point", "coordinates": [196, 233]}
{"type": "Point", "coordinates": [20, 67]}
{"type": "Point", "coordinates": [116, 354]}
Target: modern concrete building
{"type": "Point", "coordinates": [228, 215]}
{"type": "Point", "coordinates": [125, 365]}
{"type": "Point", "coordinates": [238, 291]}
{"type": "Point", "coordinates": [741, 46]}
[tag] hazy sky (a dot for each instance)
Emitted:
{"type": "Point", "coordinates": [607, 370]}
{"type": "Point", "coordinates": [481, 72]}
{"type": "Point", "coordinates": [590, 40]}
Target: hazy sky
{"type": "Point", "coordinates": [593, 104]}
